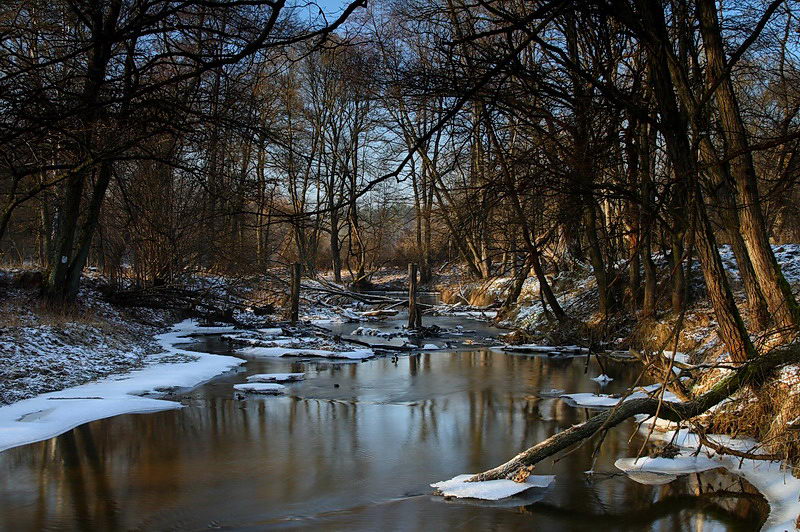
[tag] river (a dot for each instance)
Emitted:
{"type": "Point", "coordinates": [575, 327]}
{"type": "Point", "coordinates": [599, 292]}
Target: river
{"type": "Point", "coordinates": [355, 447]}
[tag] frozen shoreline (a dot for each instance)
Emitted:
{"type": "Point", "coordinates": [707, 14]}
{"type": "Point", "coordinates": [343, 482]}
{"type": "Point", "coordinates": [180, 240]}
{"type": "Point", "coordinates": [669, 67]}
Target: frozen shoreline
{"type": "Point", "coordinates": [772, 479]}
{"type": "Point", "coordinates": [51, 414]}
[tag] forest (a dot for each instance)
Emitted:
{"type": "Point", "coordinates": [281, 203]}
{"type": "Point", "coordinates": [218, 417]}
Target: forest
{"type": "Point", "coordinates": [600, 186]}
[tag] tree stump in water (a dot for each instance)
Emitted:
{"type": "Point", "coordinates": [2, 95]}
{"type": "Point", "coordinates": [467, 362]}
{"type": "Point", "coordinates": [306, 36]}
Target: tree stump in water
{"type": "Point", "coordinates": [295, 292]}
{"type": "Point", "coordinates": [414, 314]}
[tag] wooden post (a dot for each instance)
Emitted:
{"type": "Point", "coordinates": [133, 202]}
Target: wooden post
{"type": "Point", "coordinates": [414, 315]}
{"type": "Point", "coordinates": [295, 294]}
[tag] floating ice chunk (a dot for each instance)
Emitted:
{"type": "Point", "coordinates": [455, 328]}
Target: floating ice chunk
{"type": "Point", "coordinates": [276, 377]}
{"type": "Point", "coordinates": [603, 379]}
{"type": "Point", "coordinates": [553, 392]}
{"type": "Point", "coordinates": [772, 478]}
{"type": "Point", "coordinates": [529, 348]}
{"type": "Point", "coordinates": [602, 400]}
{"type": "Point", "coordinates": [595, 400]}
{"type": "Point", "coordinates": [490, 490]}
{"type": "Point", "coordinates": [651, 478]}
{"type": "Point", "coordinates": [261, 387]}
{"type": "Point", "coordinates": [546, 349]}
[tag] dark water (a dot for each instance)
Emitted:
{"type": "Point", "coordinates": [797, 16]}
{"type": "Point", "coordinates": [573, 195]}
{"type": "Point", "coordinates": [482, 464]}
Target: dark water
{"type": "Point", "coordinates": [358, 456]}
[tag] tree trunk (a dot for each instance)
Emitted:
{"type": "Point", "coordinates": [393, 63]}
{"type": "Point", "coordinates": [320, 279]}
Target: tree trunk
{"type": "Point", "coordinates": [675, 131]}
{"type": "Point", "coordinates": [776, 290]}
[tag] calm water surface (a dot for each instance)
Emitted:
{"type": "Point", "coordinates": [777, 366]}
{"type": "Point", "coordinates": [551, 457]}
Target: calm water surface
{"type": "Point", "coordinates": [357, 456]}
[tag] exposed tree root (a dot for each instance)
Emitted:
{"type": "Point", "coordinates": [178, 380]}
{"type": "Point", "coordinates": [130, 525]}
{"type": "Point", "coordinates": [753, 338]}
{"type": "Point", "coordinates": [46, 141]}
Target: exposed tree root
{"type": "Point", "coordinates": [753, 373]}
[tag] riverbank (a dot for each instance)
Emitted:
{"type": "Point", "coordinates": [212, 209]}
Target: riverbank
{"type": "Point", "coordinates": [134, 392]}
{"type": "Point", "coordinates": [93, 360]}
{"type": "Point", "coordinates": [44, 350]}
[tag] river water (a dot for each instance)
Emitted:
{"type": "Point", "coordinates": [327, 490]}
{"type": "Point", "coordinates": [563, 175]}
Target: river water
{"type": "Point", "coordinates": [355, 447]}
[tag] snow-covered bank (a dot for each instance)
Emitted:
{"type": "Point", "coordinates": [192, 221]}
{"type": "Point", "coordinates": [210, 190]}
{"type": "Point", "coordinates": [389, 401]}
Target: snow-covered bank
{"type": "Point", "coordinates": [44, 350]}
{"type": "Point", "coordinates": [772, 478]}
{"type": "Point", "coordinates": [50, 414]}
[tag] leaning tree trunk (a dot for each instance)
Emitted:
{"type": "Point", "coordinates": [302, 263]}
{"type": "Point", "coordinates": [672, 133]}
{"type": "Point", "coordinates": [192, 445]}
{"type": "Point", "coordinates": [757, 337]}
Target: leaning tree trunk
{"type": "Point", "coordinates": [720, 177]}
{"type": "Point", "coordinates": [675, 131]}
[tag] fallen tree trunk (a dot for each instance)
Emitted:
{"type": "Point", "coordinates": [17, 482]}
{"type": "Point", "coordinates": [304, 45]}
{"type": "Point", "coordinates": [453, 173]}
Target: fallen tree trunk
{"type": "Point", "coordinates": [200, 303]}
{"type": "Point", "coordinates": [371, 299]}
{"type": "Point", "coordinates": [385, 347]}
{"type": "Point", "coordinates": [753, 373]}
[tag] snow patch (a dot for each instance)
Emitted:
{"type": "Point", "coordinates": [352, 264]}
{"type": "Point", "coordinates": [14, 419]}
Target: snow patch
{"type": "Point", "coordinates": [772, 478]}
{"type": "Point", "coordinates": [600, 400]}
{"type": "Point", "coordinates": [680, 465]}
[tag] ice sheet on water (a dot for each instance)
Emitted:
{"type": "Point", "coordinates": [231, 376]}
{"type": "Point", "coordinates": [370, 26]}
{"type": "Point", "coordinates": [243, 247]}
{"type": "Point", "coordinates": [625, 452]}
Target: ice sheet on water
{"type": "Point", "coordinates": [268, 388]}
{"type": "Point", "coordinates": [772, 478]}
{"type": "Point", "coordinates": [490, 490]}
{"type": "Point", "coordinates": [680, 465]}
{"type": "Point", "coordinates": [605, 401]}
{"type": "Point", "coordinates": [258, 352]}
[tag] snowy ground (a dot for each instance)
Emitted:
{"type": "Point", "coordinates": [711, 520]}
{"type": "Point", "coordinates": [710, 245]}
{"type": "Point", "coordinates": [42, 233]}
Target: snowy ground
{"type": "Point", "coordinates": [43, 352]}
{"type": "Point", "coordinates": [50, 414]}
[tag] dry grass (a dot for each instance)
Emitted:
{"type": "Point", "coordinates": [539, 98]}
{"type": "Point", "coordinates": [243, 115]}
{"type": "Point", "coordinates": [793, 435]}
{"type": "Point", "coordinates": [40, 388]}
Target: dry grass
{"type": "Point", "coordinates": [21, 311]}
{"type": "Point", "coordinates": [764, 415]}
